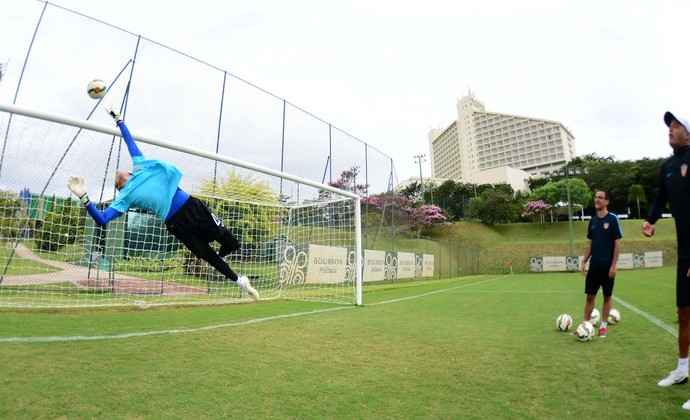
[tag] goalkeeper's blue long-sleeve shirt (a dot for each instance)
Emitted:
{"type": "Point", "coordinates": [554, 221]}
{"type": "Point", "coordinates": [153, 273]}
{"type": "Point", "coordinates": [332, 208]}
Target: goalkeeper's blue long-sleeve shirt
{"type": "Point", "coordinates": [153, 186]}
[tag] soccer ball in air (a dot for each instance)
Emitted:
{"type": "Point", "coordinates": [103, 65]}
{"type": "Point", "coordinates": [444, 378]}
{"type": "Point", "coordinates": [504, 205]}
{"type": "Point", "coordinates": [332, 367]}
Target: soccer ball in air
{"type": "Point", "coordinates": [594, 317]}
{"type": "Point", "coordinates": [564, 322]}
{"type": "Point", "coordinates": [614, 316]}
{"type": "Point", "coordinates": [585, 331]}
{"type": "Point", "coordinates": [96, 89]}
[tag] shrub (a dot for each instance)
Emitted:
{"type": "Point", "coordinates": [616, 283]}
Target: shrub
{"type": "Point", "coordinates": [60, 228]}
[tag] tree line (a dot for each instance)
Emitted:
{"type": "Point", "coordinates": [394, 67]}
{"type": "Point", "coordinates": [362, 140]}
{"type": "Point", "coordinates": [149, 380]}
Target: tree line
{"type": "Point", "coordinates": [630, 184]}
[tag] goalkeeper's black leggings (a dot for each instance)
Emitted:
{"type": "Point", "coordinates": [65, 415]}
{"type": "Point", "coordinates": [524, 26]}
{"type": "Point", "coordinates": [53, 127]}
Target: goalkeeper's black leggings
{"type": "Point", "coordinates": [195, 226]}
{"type": "Point", "coordinates": [209, 255]}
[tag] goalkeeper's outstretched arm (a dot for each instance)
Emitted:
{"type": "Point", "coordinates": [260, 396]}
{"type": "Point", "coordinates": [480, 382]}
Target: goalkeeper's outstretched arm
{"type": "Point", "coordinates": [78, 187]}
{"type": "Point", "coordinates": [102, 217]}
{"type": "Point", "coordinates": [129, 141]}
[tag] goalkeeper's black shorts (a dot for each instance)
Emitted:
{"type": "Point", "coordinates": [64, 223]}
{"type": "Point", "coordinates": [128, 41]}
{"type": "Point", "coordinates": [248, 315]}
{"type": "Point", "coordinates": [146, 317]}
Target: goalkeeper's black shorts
{"type": "Point", "coordinates": [195, 226]}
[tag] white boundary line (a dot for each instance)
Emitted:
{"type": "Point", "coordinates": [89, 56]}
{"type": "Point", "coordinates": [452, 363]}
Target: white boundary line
{"type": "Point", "coordinates": [385, 302]}
{"type": "Point", "coordinates": [655, 321]}
{"type": "Point", "coordinates": [173, 331]}
{"type": "Point", "coordinates": [213, 327]}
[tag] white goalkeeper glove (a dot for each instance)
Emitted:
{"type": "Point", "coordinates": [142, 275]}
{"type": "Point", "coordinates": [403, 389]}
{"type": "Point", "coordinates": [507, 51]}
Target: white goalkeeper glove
{"type": "Point", "coordinates": [78, 187]}
{"type": "Point", "coordinates": [112, 111]}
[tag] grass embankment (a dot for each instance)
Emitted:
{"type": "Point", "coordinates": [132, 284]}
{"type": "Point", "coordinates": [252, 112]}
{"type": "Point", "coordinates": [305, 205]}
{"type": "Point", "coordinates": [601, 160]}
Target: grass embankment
{"type": "Point", "coordinates": [517, 242]}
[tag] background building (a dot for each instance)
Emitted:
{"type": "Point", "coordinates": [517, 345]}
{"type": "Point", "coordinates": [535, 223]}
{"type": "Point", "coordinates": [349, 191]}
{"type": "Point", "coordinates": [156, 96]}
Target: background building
{"type": "Point", "coordinates": [472, 147]}
{"type": "Point", "coordinates": [516, 178]}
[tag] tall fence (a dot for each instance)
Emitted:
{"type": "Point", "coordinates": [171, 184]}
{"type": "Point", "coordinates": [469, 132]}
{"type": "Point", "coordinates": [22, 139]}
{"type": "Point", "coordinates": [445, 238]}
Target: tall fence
{"type": "Point", "coordinates": [169, 94]}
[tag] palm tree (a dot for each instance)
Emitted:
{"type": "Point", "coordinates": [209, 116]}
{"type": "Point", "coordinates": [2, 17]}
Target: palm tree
{"type": "Point", "coordinates": [636, 193]}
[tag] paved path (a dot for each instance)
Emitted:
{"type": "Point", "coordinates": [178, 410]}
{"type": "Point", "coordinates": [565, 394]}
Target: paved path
{"type": "Point", "coordinates": [96, 279]}
{"type": "Point", "coordinates": [68, 272]}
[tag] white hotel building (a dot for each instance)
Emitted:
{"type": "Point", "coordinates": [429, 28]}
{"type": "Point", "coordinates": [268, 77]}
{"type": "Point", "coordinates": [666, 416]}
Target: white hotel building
{"type": "Point", "coordinates": [483, 147]}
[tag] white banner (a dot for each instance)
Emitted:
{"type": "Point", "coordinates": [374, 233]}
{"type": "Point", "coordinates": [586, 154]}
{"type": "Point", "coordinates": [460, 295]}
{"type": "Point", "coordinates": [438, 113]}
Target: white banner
{"type": "Point", "coordinates": [405, 265]}
{"type": "Point", "coordinates": [625, 261]}
{"type": "Point", "coordinates": [374, 265]}
{"type": "Point", "coordinates": [554, 264]}
{"type": "Point", "coordinates": [308, 263]}
{"type": "Point", "coordinates": [653, 259]}
{"type": "Point", "coordinates": [327, 264]}
{"type": "Point", "coordinates": [428, 265]}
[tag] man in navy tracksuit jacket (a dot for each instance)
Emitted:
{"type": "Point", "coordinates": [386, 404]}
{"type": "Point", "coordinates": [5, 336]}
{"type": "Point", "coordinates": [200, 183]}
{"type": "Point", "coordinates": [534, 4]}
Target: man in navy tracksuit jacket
{"type": "Point", "coordinates": [674, 189]}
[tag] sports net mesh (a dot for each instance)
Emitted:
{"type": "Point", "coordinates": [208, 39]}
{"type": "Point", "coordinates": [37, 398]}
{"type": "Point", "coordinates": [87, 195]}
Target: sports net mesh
{"type": "Point", "coordinates": [299, 239]}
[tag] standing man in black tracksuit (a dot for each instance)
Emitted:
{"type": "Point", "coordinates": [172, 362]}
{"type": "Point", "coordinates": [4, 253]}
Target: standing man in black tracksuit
{"type": "Point", "coordinates": [674, 188]}
{"type": "Point", "coordinates": [603, 248]}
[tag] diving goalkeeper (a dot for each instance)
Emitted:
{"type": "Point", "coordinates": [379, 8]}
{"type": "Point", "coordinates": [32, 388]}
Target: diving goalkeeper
{"type": "Point", "coordinates": [153, 185]}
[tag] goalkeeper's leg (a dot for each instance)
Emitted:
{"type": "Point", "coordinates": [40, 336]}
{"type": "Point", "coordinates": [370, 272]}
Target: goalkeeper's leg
{"type": "Point", "coordinates": [215, 260]}
{"type": "Point", "coordinates": [209, 255]}
{"type": "Point", "coordinates": [228, 243]}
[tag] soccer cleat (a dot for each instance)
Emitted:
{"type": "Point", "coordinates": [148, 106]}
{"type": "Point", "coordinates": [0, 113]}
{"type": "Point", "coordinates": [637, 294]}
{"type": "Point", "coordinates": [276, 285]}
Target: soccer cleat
{"type": "Point", "coordinates": [245, 286]}
{"type": "Point", "coordinates": [602, 332]}
{"type": "Point", "coordinates": [674, 378]}
{"type": "Point", "coordinates": [686, 405]}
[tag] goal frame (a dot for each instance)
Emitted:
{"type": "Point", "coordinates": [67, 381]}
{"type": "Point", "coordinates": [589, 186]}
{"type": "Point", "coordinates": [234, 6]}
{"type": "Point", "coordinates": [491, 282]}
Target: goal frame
{"type": "Point", "coordinates": [88, 125]}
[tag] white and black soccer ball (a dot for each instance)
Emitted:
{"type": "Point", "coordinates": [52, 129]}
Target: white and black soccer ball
{"type": "Point", "coordinates": [614, 316]}
{"type": "Point", "coordinates": [585, 331]}
{"type": "Point", "coordinates": [96, 89]}
{"type": "Point", "coordinates": [594, 317]}
{"type": "Point", "coordinates": [564, 322]}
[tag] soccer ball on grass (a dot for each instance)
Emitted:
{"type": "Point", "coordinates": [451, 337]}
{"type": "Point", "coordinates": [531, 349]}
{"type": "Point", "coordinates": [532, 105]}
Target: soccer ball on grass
{"type": "Point", "coordinates": [614, 316]}
{"type": "Point", "coordinates": [563, 322]}
{"type": "Point", "coordinates": [585, 331]}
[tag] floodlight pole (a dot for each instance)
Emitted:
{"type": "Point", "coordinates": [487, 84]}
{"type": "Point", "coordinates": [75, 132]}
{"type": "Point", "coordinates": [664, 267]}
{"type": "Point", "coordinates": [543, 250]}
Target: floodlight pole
{"type": "Point", "coordinates": [419, 159]}
{"type": "Point", "coordinates": [570, 209]}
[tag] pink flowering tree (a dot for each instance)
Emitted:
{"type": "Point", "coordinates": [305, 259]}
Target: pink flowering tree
{"type": "Point", "coordinates": [536, 210]}
{"type": "Point", "coordinates": [426, 219]}
{"type": "Point", "coordinates": [348, 182]}
{"type": "Point", "coordinates": [385, 210]}
{"type": "Point", "coordinates": [381, 201]}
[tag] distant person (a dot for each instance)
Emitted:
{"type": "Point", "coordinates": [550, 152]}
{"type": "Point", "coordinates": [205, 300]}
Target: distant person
{"type": "Point", "coordinates": [153, 185]}
{"type": "Point", "coordinates": [674, 189]}
{"type": "Point", "coordinates": [603, 248]}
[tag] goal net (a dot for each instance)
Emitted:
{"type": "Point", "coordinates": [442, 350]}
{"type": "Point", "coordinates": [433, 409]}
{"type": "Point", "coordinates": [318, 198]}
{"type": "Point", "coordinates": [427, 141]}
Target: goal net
{"type": "Point", "coordinates": [299, 239]}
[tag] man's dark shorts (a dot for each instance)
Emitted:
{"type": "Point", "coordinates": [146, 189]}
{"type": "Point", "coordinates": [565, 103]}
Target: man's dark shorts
{"type": "Point", "coordinates": [598, 277]}
{"type": "Point", "coordinates": [195, 226]}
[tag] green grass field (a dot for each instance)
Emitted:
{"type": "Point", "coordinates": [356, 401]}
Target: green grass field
{"type": "Point", "coordinates": [474, 347]}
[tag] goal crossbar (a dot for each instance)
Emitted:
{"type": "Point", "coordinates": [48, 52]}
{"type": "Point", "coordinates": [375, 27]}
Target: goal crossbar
{"type": "Point", "coordinates": [89, 125]}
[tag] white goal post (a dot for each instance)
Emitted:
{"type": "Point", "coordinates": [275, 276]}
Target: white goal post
{"type": "Point", "coordinates": [300, 239]}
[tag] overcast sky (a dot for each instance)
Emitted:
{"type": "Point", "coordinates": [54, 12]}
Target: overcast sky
{"type": "Point", "coordinates": [388, 71]}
